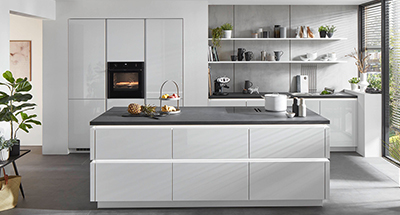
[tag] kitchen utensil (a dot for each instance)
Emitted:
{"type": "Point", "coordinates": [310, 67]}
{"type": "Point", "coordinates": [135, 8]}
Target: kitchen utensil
{"type": "Point", "coordinates": [278, 55]}
{"type": "Point", "coordinates": [248, 55]}
{"type": "Point", "coordinates": [312, 55]}
{"type": "Point", "coordinates": [277, 31]}
{"type": "Point", "coordinates": [247, 84]}
{"type": "Point", "coordinates": [275, 102]}
{"type": "Point", "coordinates": [304, 57]}
{"type": "Point", "coordinates": [266, 34]}
{"type": "Point", "coordinates": [302, 83]}
{"type": "Point", "coordinates": [254, 35]}
{"type": "Point", "coordinates": [260, 32]}
{"type": "Point", "coordinates": [270, 57]}
{"type": "Point", "coordinates": [240, 53]}
{"type": "Point", "coordinates": [233, 57]}
{"type": "Point", "coordinates": [282, 32]}
{"type": "Point", "coordinates": [290, 114]}
{"type": "Point", "coordinates": [263, 55]}
{"type": "Point", "coordinates": [219, 84]}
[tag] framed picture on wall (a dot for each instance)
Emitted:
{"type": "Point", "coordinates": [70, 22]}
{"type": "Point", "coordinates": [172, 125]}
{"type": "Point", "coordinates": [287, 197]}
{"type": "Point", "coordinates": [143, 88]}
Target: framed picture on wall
{"type": "Point", "coordinates": [20, 59]}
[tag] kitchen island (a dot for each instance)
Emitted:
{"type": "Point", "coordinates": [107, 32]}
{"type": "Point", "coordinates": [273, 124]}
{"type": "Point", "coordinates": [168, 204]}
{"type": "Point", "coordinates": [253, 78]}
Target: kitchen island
{"type": "Point", "coordinates": [209, 157]}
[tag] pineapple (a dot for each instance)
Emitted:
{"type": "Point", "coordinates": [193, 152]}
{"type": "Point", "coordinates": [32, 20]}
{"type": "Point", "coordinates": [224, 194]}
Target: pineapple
{"type": "Point", "coordinates": [134, 108]}
{"type": "Point", "coordinates": [148, 109]}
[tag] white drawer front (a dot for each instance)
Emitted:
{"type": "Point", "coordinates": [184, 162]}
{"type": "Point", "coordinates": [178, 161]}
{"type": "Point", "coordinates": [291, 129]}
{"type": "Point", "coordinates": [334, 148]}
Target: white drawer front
{"type": "Point", "coordinates": [133, 182]}
{"type": "Point", "coordinates": [286, 142]}
{"type": "Point", "coordinates": [133, 143]}
{"type": "Point", "coordinates": [287, 181]}
{"type": "Point", "coordinates": [210, 181]}
{"type": "Point", "coordinates": [205, 143]}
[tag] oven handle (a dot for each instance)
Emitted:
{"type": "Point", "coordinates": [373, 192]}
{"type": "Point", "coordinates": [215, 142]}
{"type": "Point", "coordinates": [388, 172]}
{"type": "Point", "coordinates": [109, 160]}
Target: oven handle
{"type": "Point", "coordinates": [125, 70]}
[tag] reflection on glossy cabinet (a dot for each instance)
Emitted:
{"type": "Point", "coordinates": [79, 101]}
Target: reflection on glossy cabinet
{"type": "Point", "coordinates": [164, 53]}
{"type": "Point", "coordinates": [343, 120]}
{"type": "Point", "coordinates": [133, 181]}
{"type": "Point", "coordinates": [210, 181]}
{"type": "Point", "coordinates": [80, 113]}
{"type": "Point", "coordinates": [86, 63]}
{"type": "Point", "coordinates": [125, 40]}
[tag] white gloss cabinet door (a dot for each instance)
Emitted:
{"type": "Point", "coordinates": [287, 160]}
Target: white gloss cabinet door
{"type": "Point", "coordinates": [80, 113]}
{"type": "Point", "coordinates": [313, 105]}
{"type": "Point", "coordinates": [210, 143]}
{"type": "Point", "coordinates": [133, 143]}
{"type": "Point", "coordinates": [86, 63]}
{"type": "Point", "coordinates": [210, 181]}
{"type": "Point", "coordinates": [164, 53]}
{"type": "Point", "coordinates": [287, 181]}
{"type": "Point", "coordinates": [287, 142]}
{"type": "Point", "coordinates": [227, 102]}
{"type": "Point", "coordinates": [125, 40]}
{"type": "Point", "coordinates": [342, 115]}
{"type": "Point", "coordinates": [120, 182]}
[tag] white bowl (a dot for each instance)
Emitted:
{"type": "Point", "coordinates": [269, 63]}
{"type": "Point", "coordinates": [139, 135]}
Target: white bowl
{"type": "Point", "coordinates": [304, 58]}
{"type": "Point", "coordinates": [290, 114]}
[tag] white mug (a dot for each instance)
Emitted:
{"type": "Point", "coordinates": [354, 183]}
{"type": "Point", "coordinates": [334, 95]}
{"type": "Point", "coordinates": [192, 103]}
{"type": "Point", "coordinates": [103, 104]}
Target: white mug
{"type": "Point", "coordinates": [332, 55]}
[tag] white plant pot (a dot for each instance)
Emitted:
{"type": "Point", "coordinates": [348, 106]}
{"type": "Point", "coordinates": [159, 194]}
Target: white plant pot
{"type": "Point", "coordinates": [363, 82]}
{"type": "Point", "coordinates": [228, 34]}
{"type": "Point", "coordinates": [354, 86]}
{"type": "Point", "coordinates": [5, 154]}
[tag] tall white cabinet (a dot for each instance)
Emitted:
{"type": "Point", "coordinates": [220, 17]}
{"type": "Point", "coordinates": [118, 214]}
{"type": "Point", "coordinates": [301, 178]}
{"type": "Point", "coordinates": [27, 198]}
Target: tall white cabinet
{"type": "Point", "coordinates": [125, 40]}
{"type": "Point", "coordinates": [164, 53]}
{"type": "Point", "coordinates": [86, 78]}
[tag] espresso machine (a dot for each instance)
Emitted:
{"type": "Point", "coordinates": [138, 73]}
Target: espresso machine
{"type": "Point", "coordinates": [219, 84]}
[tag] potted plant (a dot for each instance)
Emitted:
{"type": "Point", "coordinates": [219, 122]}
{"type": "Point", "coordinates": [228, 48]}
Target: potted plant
{"type": "Point", "coordinates": [5, 147]}
{"type": "Point", "coordinates": [330, 30]}
{"type": "Point", "coordinates": [227, 28]}
{"type": "Point", "coordinates": [362, 66]}
{"type": "Point", "coordinates": [322, 31]}
{"type": "Point", "coordinates": [15, 106]}
{"type": "Point", "coordinates": [216, 34]}
{"type": "Point", "coordinates": [354, 81]}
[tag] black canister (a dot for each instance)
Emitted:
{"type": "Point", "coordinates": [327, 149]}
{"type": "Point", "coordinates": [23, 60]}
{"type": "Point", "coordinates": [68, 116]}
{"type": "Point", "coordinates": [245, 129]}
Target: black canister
{"type": "Point", "coordinates": [277, 31]}
{"type": "Point", "coordinates": [240, 53]}
{"type": "Point", "coordinates": [295, 106]}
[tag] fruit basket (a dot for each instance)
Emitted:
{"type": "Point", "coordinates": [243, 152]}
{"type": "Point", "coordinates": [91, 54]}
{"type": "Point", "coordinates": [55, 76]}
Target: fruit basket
{"type": "Point", "coordinates": [174, 97]}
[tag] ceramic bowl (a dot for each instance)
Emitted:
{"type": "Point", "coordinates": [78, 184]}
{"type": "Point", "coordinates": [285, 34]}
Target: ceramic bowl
{"type": "Point", "coordinates": [290, 114]}
{"type": "Point", "coordinates": [304, 58]}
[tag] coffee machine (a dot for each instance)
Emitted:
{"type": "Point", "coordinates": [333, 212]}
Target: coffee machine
{"type": "Point", "coordinates": [219, 84]}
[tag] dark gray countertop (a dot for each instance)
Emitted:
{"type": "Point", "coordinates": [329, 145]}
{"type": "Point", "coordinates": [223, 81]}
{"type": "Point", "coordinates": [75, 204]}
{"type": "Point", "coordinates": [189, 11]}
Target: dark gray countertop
{"type": "Point", "coordinates": [291, 95]}
{"type": "Point", "coordinates": [208, 116]}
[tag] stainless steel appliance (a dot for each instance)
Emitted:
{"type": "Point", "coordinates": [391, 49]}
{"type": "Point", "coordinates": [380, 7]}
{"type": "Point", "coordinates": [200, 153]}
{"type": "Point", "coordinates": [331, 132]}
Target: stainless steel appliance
{"type": "Point", "coordinates": [219, 84]}
{"type": "Point", "coordinates": [125, 79]}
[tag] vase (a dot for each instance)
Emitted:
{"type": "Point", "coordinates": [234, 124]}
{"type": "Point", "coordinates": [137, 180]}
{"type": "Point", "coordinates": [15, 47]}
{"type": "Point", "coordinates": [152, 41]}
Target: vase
{"type": "Point", "coordinates": [363, 82]}
{"type": "Point", "coordinates": [329, 34]}
{"type": "Point", "coordinates": [354, 86]}
{"type": "Point", "coordinates": [228, 34]}
{"type": "Point", "coordinates": [15, 149]}
{"type": "Point", "coordinates": [322, 34]}
{"type": "Point", "coordinates": [5, 154]}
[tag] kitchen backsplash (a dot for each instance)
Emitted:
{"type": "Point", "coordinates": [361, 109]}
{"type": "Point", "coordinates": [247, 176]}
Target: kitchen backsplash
{"type": "Point", "coordinates": [247, 19]}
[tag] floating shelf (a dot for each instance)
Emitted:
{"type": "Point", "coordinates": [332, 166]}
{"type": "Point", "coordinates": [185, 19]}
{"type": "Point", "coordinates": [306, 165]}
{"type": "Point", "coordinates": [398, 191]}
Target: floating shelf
{"type": "Point", "coordinates": [276, 62]}
{"type": "Point", "coordinates": [281, 39]}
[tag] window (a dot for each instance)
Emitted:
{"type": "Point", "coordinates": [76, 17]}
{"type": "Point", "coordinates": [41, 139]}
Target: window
{"type": "Point", "coordinates": [372, 35]}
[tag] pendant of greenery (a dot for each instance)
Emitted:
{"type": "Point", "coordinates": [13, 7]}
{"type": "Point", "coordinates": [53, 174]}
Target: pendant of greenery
{"type": "Point", "coordinates": [14, 105]}
{"type": "Point", "coordinates": [216, 34]}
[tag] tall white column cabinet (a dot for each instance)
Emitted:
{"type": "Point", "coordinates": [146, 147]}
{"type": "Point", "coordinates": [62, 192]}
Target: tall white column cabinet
{"type": "Point", "coordinates": [164, 55]}
{"type": "Point", "coordinates": [86, 78]}
{"type": "Point", "coordinates": [125, 40]}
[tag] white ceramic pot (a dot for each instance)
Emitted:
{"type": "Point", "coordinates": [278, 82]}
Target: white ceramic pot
{"type": "Point", "coordinates": [5, 154]}
{"type": "Point", "coordinates": [275, 102]}
{"type": "Point", "coordinates": [363, 82]}
{"type": "Point", "coordinates": [354, 86]}
{"type": "Point", "coordinates": [228, 34]}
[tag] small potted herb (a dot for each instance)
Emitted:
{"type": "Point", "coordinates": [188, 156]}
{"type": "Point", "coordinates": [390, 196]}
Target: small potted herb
{"type": "Point", "coordinates": [5, 147]}
{"type": "Point", "coordinates": [322, 31]}
{"type": "Point", "coordinates": [354, 81]}
{"type": "Point", "coordinates": [216, 34]}
{"type": "Point", "coordinates": [331, 30]}
{"type": "Point", "coordinates": [227, 28]}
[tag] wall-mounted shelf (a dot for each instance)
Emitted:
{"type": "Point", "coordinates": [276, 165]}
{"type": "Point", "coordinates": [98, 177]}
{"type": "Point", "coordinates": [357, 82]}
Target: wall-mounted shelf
{"type": "Point", "coordinates": [281, 39]}
{"type": "Point", "coordinates": [276, 62]}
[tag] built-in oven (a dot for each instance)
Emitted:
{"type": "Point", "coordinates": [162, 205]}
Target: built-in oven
{"type": "Point", "coordinates": [126, 80]}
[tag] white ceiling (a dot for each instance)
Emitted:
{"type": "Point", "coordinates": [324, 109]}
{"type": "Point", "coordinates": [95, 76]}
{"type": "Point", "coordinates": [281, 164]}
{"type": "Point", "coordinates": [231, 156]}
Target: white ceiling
{"type": "Point", "coordinates": [287, 2]}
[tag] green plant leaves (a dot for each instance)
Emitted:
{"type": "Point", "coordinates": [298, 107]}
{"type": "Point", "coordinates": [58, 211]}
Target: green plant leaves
{"type": "Point", "coordinates": [34, 122]}
{"type": "Point", "coordinates": [8, 76]}
{"type": "Point", "coordinates": [23, 86]}
{"type": "Point", "coordinates": [19, 97]}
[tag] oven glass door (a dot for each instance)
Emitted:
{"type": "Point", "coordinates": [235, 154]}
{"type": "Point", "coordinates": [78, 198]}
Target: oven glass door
{"type": "Point", "coordinates": [125, 84]}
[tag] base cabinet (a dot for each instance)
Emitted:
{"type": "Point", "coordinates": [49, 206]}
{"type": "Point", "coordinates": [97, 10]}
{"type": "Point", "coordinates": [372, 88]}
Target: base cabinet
{"type": "Point", "coordinates": [210, 181]}
{"type": "Point", "coordinates": [287, 181]}
{"type": "Point", "coordinates": [133, 181]}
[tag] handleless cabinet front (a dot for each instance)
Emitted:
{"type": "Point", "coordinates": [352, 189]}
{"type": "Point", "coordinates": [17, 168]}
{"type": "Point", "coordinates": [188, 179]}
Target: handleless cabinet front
{"type": "Point", "coordinates": [125, 40]}
{"type": "Point", "coordinates": [133, 143]}
{"type": "Point", "coordinates": [210, 143]}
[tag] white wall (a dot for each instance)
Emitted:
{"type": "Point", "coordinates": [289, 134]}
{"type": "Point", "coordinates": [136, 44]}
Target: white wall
{"type": "Point", "coordinates": [25, 28]}
{"type": "Point", "coordinates": [55, 54]}
{"type": "Point", "coordinates": [44, 9]}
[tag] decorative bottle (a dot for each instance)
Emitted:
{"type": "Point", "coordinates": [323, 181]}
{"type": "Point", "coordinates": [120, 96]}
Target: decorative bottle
{"type": "Point", "coordinates": [302, 108]}
{"type": "Point", "coordinates": [295, 106]}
